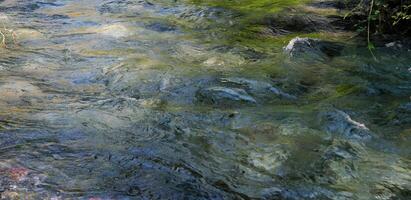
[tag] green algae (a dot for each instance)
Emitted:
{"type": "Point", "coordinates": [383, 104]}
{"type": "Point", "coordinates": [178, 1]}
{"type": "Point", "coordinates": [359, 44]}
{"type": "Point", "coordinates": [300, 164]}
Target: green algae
{"type": "Point", "coordinates": [346, 89]}
{"type": "Point", "coordinates": [245, 28]}
{"type": "Point", "coordinates": [334, 83]}
{"type": "Point", "coordinates": [251, 7]}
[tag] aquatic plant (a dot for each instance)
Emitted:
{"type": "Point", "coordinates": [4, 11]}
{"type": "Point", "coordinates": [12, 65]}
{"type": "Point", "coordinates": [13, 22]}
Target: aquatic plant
{"type": "Point", "coordinates": [255, 7]}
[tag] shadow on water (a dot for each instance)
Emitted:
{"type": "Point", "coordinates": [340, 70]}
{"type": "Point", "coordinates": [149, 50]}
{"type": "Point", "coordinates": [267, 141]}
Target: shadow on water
{"type": "Point", "coordinates": [197, 100]}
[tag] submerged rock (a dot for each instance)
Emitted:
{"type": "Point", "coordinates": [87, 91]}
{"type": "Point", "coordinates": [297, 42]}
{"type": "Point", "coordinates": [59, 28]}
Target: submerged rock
{"type": "Point", "coordinates": [132, 8]}
{"type": "Point", "coordinates": [340, 123]}
{"type": "Point", "coordinates": [114, 30]}
{"type": "Point", "coordinates": [28, 34]}
{"type": "Point", "coordinates": [161, 27]}
{"type": "Point", "coordinates": [406, 107]}
{"type": "Point", "coordinates": [289, 23]}
{"type": "Point", "coordinates": [338, 165]}
{"type": "Point", "coordinates": [300, 192]}
{"type": "Point", "coordinates": [269, 158]}
{"type": "Point", "coordinates": [19, 92]}
{"type": "Point", "coordinates": [259, 88]}
{"type": "Point", "coordinates": [225, 96]}
{"type": "Point", "coordinates": [18, 173]}
{"type": "Point", "coordinates": [390, 191]}
{"type": "Point", "coordinates": [312, 49]}
{"type": "Point", "coordinates": [403, 115]}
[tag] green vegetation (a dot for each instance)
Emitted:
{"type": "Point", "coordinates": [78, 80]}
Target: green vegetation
{"type": "Point", "coordinates": [382, 16]}
{"type": "Point", "coordinates": [379, 17]}
{"type": "Point", "coordinates": [255, 7]}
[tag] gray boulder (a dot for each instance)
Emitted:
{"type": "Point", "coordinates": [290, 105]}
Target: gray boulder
{"type": "Point", "coordinates": [224, 96]}
{"type": "Point", "coordinates": [339, 123]}
{"type": "Point", "coordinates": [312, 49]}
{"type": "Point", "coordinates": [258, 88]}
{"type": "Point", "coordinates": [338, 165]}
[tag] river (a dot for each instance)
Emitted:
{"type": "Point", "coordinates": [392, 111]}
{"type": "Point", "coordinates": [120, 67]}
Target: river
{"type": "Point", "coordinates": [135, 99]}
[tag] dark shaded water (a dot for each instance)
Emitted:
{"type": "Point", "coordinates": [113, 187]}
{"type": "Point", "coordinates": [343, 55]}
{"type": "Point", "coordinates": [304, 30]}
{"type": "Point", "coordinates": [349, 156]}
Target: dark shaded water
{"type": "Point", "coordinates": [182, 100]}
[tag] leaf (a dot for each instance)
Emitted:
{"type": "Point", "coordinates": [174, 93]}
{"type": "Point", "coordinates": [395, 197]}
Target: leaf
{"type": "Point", "coordinates": [371, 46]}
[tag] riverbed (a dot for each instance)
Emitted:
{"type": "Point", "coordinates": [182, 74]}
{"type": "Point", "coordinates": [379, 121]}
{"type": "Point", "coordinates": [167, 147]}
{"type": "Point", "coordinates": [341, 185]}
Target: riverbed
{"type": "Point", "coordinates": [158, 99]}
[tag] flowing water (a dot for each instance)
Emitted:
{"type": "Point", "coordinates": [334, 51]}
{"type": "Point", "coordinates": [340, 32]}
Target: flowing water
{"type": "Point", "coordinates": [135, 99]}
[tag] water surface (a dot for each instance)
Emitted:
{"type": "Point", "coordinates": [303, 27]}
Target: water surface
{"type": "Point", "coordinates": [120, 100]}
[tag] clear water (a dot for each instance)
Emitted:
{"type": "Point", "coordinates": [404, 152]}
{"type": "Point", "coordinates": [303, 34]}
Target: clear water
{"type": "Point", "coordinates": [100, 101]}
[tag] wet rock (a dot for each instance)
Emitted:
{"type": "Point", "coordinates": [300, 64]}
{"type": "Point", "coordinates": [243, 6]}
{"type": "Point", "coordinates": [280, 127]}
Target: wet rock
{"type": "Point", "coordinates": [28, 34]}
{"type": "Point", "coordinates": [17, 173]}
{"type": "Point", "coordinates": [282, 94]}
{"type": "Point", "coordinates": [249, 54]}
{"type": "Point", "coordinates": [396, 90]}
{"type": "Point", "coordinates": [342, 171]}
{"type": "Point", "coordinates": [223, 61]}
{"type": "Point", "coordinates": [304, 193]}
{"type": "Point", "coordinates": [161, 27]}
{"type": "Point", "coordinates": [403, 115]}
{"type": "Point", "coordinates": [224, 96]}
{"type": "Point", "coordinates": [393, 45]}
{"type": "Point", "coordinates": [312, 49]}
{"type": "Point", "coordinates": [388, 191]}
{"type": "Point", "coordinates": [269, 158]}
{"type": "Point", "coordinates": [339, 123]}
{"type": "Point", "coordinates": [114, 30]}
{"type": "Point", "coordinates": [10, 195]}
{"type": "Point", "coordinates": [343, 150]}
{"type": "Point", "coordinates": [18, 91]}
{"type": "Point", "coordinates": [271, 193]}
{"type": "Point", "coordinates": [184, 90]}
{"type": "Point", "coordinates": [258, 88]}
{"type": "Point", "coordinates": [202, 16]}
{"type": "Point", "coordinates": [95, 198]}
{"type": "Point", "coordinates": [338, 165]}
{"type": "Point", "coordinates": [132, 8]}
